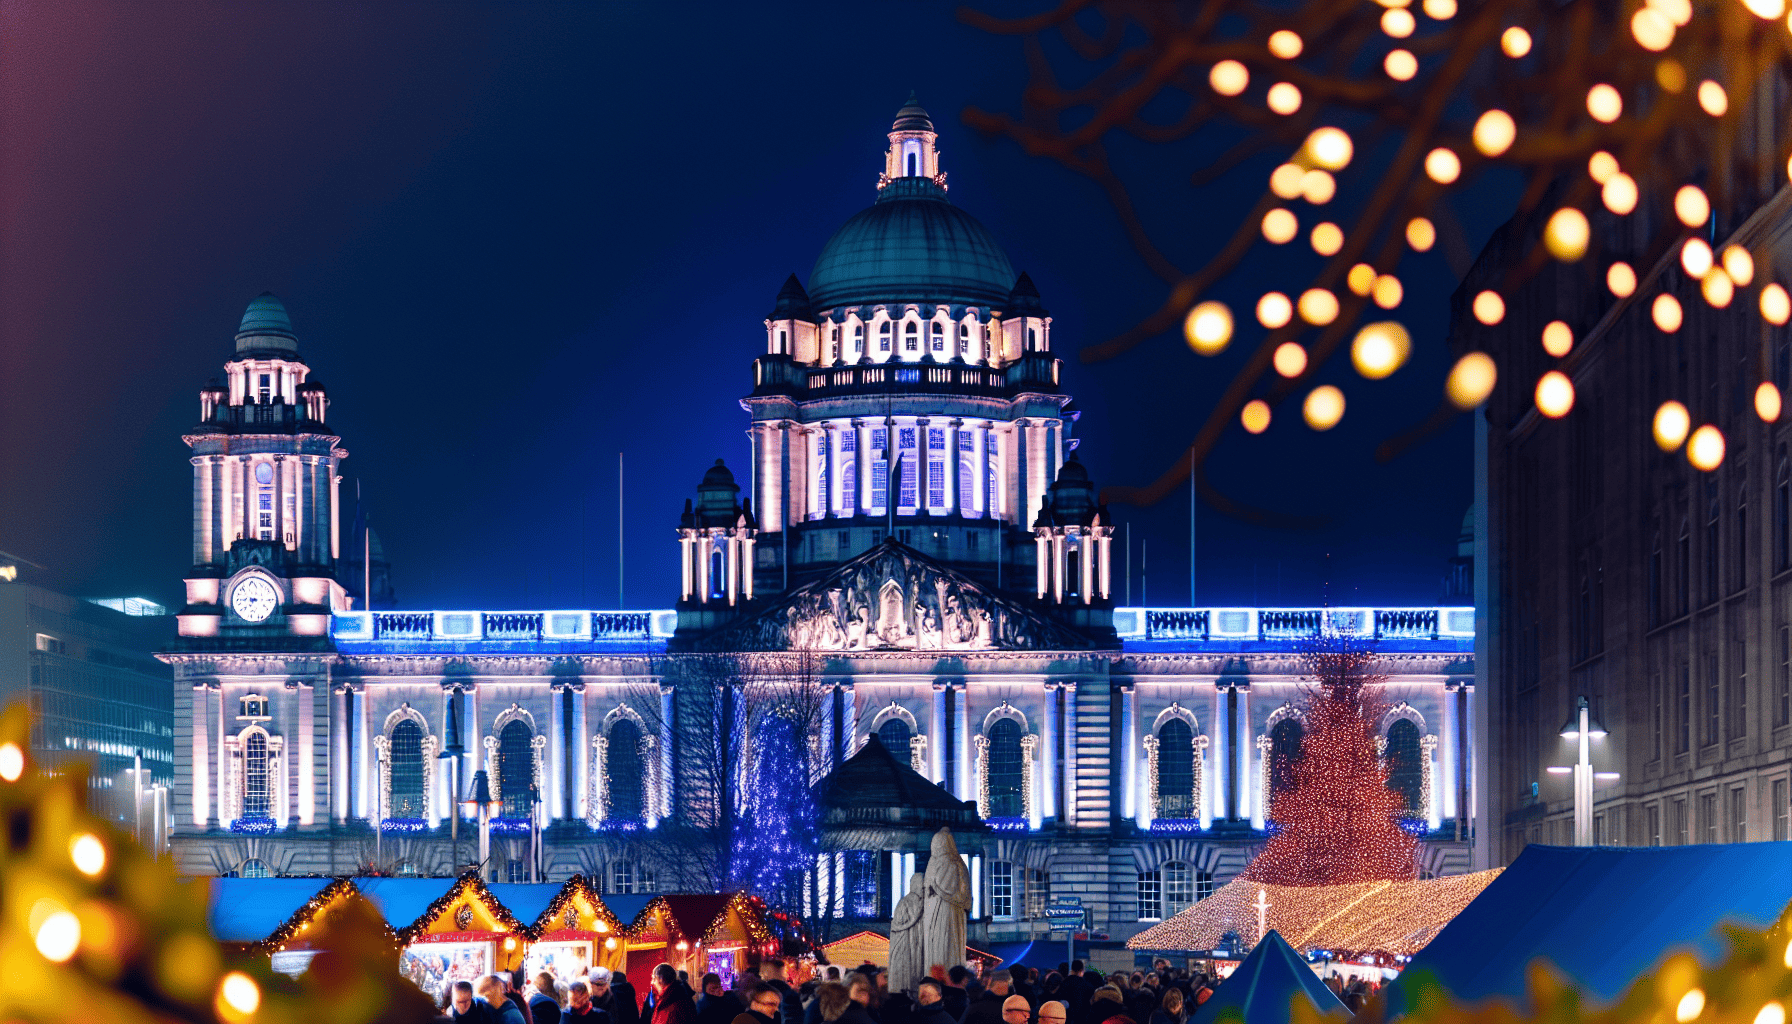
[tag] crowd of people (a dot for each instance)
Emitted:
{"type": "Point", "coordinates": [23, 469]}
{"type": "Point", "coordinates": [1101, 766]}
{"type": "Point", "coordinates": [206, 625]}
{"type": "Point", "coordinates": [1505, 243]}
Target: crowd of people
{"type": "Point", "coordinates": [1072, 994]}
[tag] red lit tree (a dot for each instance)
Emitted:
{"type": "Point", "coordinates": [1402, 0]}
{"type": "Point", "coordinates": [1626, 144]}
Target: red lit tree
{"type": "Point", "coordinates": [1339, 822]}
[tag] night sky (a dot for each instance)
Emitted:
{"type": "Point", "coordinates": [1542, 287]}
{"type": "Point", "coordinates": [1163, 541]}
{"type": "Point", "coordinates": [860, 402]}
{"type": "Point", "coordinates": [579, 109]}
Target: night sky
{"type": "Point", "coordinates": [518, 239]}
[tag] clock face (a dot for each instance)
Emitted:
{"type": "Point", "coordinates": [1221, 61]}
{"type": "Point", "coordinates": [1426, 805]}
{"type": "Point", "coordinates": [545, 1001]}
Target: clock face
{"type": "Point", "coordinates": [254, 599]}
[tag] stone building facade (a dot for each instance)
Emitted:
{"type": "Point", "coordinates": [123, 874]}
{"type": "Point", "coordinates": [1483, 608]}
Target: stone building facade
{"type": "Point", "coordinates": [1614, 569]}
{"type": "Point", "coordinates": [916, 544]}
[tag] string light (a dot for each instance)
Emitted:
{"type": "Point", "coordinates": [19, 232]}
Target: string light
{"type": "Point", "coordinates": [1695, 257]}
{"type": "Point", "coordinates": [1318, 306]}
{"type": "Point", "coordinates": [1208, 328]}
{"type": "Point", "coordinates": [1604, 103]}
{"type": "Point", "coordinates": [1566, 235]}
{"type": "Point", "coordinates": [1443, 165]}
{"type": "Point", "coordinates": [1619, 193]}
{"type": "Point", "coordinates": [1327, 238]}
{"type": "Point", "coordinates": [1290, 359]}
{"type": "Point", "coordinates": [1285, 181]}
{"type": "Point", "coordinates": [1717, 288]}
{"type": "Point", "coordinates": [1380, 348]}
{"type": "Point", "coordinates": [1713, 99]}
{"type": "Point", "coordinates": [1558, 338]}
{"type": "Point", "coordinates": [1691, 206]}
{"type": "Point", "coordinates": [1285, 44]}
{"type": "Point", "coordinates": [1767, 401]}
{"type": "Point", "coordinates": [1274, 310]}
{"type": "Point", "coordinates": [1621, 279]}
{"type": "Point", "coordinates": [1324, 407]}
{"type": "Point", "coordinates": [1555, 394]}
{"type": "Point", "coordinates": [1776, 305]}
{"type": "Point", "coordinates": [12, 762]}
{"type": "Point", "coordinates": [1361, 279]}
{"type": "Point", "coordinates": [1229, 78]}
{"type": "Point", "coordinates": [1494, 132]}
{"type": "Point", "coordinates": [1387, 291]}
{"type": "Point", "coordinates": [1515, 42]}
{"type": "Point", "coordinates": [1739, 265]}
{"type": "Point", "coordinates": [1489, 308]}
{"type": "Point", "coordinates": [1601, 166]}
{"type": "Point", "coordinates": [88, 854]}
{"type": "Point", "coordinates": [1400, 65]}
{"type": "Point", "coordinates": [1255, 416]}
{"type": "Point", "coordinates": [1705, 450]}
{"type": "Point", "coordinates": [1398, 22]}
{"type": "Point", "coordinates": [1672, 422]}
{"type": "Point", "coordinates": [1279, 226]}
{"type": "Point", "coordinates": [1284, 98]}
{"type": "Point", "coordinates": [1666, 312]}
{"type": "Point", "coordinates": [1440, 10]}
{"type": "Point", "coordinates": [1471, 380]}
{"type": "Point", "coordinates": [1420, 234]}
{"type": "Point", "coordinates": [1330, 148]}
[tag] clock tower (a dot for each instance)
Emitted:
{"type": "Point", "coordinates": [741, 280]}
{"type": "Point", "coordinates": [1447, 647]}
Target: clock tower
{"type": "Point", "coordinates": [265, 535]}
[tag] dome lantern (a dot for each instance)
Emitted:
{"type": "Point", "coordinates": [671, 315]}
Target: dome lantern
{"type": "Point", "coordinates": [914, 150]}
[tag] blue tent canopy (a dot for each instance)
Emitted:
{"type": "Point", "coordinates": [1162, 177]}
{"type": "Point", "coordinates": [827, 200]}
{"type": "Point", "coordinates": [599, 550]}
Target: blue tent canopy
{"type": "Point", "coordinates": [250, 909]}
{"type": "Point", "coordinates": [526, 901]}
{"type": "Point", "coordinates": [1602, 915]}
{"type": "Point", "coordinates": [627, 908]}
{"type": "Point", "coordinates": [1263, 988]}
{"type": "Point", "coordinates": [403, 900]}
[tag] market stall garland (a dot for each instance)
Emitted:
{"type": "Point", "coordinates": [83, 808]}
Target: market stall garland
{"type": "Point", "coordinates": [307, 915]}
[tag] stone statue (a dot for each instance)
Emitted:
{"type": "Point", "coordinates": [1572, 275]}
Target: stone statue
{"type": "Point", "coordinates": [947, 906]}
{"type": "Point", "coordinates": [907, 964]}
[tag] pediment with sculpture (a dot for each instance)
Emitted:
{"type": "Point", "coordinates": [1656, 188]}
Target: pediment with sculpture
{"type": "Point", "coordinates": [893, 598]}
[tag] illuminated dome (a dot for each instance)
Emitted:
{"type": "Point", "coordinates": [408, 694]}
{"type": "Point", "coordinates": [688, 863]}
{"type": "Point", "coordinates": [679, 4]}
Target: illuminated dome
{"type": "Point", "coordinates": [266, 330]}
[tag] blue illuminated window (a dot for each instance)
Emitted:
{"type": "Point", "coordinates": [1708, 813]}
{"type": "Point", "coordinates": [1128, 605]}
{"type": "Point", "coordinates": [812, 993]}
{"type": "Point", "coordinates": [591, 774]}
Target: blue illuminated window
{"type": "Point", "coordinates": [907, 496]}
{"type": "Point", "coordinates": [905, 437]}
{"type": "Point", "coordinates": [821, 473]}
{"type": "Point", "coordinates": [406, 755]}
{"type": "Point", "coordinates": [624, 771]}
{"type": "Point", "coordinates": [908, 376]}
{"type": "Point", "coordinates": [516, 769]}
{"type": "Point", "coordinates": [936, 439]}
{"type": "Point", "coordinates": [880, 484]}
{"type": "Point", "coordinates": [894, 735]}
{"type": "Point", "coordinates": [1176, 770]}
{"type": "Point", "coordinates": [849, 486]}
{"type": "Point", "coordinates": [936, 484]}
{"type": "Point", "coordinates": [255, 776]}
{"type": "Point", "coordinates": [1005, 769]}
{"type": "Point", "coordinates": [883, 336]}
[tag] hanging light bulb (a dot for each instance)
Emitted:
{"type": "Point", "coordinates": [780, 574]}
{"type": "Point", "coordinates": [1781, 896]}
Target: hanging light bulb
{"type": "Point", "coordinates": [1274, 310]}
{"type": "Point", "coordinates": [1555, 394]}
{"type": "Point", "coordinates": [1705, 450]}
{"type": "Point", "coordinates": [1494, 132]}
{"type": "Point", "coordinates": [1324, 407]}
{"type": "Point", "coordinates": [1471, 380]}
{"type": "Point", "coordinates": [1558, 338]}
{"type": "Point", "coordinates": [1739, 265]}
{"type": "Point", "coordinates": [1776, 305]}
{"type": "Point", "coordinates": [1489, 308]}
{"type": "Point", "coordinates": [1767, 401]}
{"type": "Point", "coordinates": [1255, 416]}
{"type": "Point", "coordinates": [1695, 257]}
{"type": "Point", "coordinates": [1667, 313]}
{"type": "Point", "coordinates": [1566, 234]}
{"type": "Point", "coordinates": [1515, 42]}
{"type": "Point", "coordinates": [1229, 78]}
{"type": "Point", "coordinates": [1691, 206]}
{"type": "Point", "coordinates": [1330, 148]}
{"type": "Point", "coordinates": [1421, 234]}
{"type": "Point", "coordinates": [1672, 422]}
{"type": "Point", "coordinates": [1285, 44]}
{"type": "Point", "coordinates": [1208, 328]}
{"type": "Point", "coordinates": [1620, 279]}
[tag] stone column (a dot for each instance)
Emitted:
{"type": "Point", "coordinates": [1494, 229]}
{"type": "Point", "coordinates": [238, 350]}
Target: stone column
{"type": "Point", "coordinates": [1222, 774]}
{"type": "Point", "coordinates": [924, 465]}
{"type": "Point", "coordinates": [937, 754]}
{"type": "Point", "coordinates": [966, 787]}
{"type": "Point", "coordinates": [555, 795]}
{"type": "Point", "coordinates": [202, 804]}
{"type": "Point", "coordinates": [668, 786]}
{"type": "Point", "coordinates": [1048, 770]}
{"type": "Point", "coordinates": [848, 721]}
{"type": "Point", "coordinates": [987, 505]}
{"type": "Point", "coordinates": [307, 696]}
{"type": "Point", "coordinates": [202, 527]}
{"type": "Point", "coordinates": [580, 753]}
{"type": "Point", "coordinates": [1245, 743]}
{"type": "Point", "coordinates": [363, 807]}
{"type": "Point", "coordinates": [339, 753]}
{"type": "Point", "coordinates": [1021, 458]}
{"type": "Point", "coordinates": [1068, 814]}
{"type": "Point", "coordinates": [471, 737]}
{"type": "Point", "coordinates": [249, 495]}
{"type": "Point", "coordinates": [952, 471]}
{"type": "Point", "coordinates": [279, 488]}
{"type": "Point", "coordinates": [1129, 758]}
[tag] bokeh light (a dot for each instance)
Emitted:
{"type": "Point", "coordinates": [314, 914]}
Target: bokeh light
{"type": "Point", "coordinates": [1442, 165]}
{"type": "Point", "coordinates": [1768, 402]}
{"type": "Point", "coordinates": [1330, 148]}
{"type": "Point", "coordinates": [1555, 394]}
{"type": "Point", "coordinates": [1739, 265]}
{"type": "Point", "coordinates": [1440, 10]}
{"type": "Point", "coordinates": [1284, 97]}
{"type": "Point", "coordinates": [1604, 103]}
{"type": "Point", "coordinates": [1327, 238]}
{"type": "Point", "coordinates": [1279, 226]}
{"type": "Point", "coordinates": [1285, 180]}
{"type": "Point", "coordinates": [1318, 306]}
{"type": "Point", "coordinates": [1421, 234]}
{"type": "Point", "coordinates": [1398, 22]}
{"type": "Point", "coordinates": [238, 996]}
{"type": "Point", "coordinates": [1255, 416]}
{"type": "Point", "coordinates": [1387, 291]}
{"type": "Point", "coordinates": [1361, 279]}
{"type": "Point", "coordinates": [12, 762]}
{"type": "Point", "coordinates": [1489, 308]}
{"type": "Point", "coordinates": [1652, 29]}
{"type": "Point", "coordinates": [1695, 257]}
{"type": "Point", "coordinates": [1717, 288]}
{"type": "Point", "coordinates": [1601, 166]}
{"type": "Point", "coordinates": [1672, 422]}
{"type": "Point", "coordinates": [1471, 380]}
{"type": "Point", "coordinates": [1713, 99]}
{"type": "Point", "coordinates": [1691, 206]}
{"type": "Point", "coordinates": [1274, 310]}
{"type": "Point", "coordinates": [1667, 313]}
{"type": "Point", "coordinates": [1621, 279]}
{"type": "Point", "coordinates": [1284, 44]}
{"type": "Point", "coordinates": [1380, 348]}
{"type": "Point", "coordinates": [1290, 359]}
{"type": "Point", "coordinates": [1324, 407]}
{"type": "Point", "coordinates": [1515, 42]}
{"type": "Point", "coordinates": [58, 936]}
{"type": "Point", "coordinates": [1705, 450]}
{"type": "Point", "coordinates": [1229, 78]}
{"type": "Point", "coordinates": [1318, 187]}
{"type": "Point", "coordinates": [1558, 338]}
{"type": "Point", "coordinates": [1567, 233]}
{"type": "Point", "coordinates": [1619, 193]}
{"type": "Point", "coordinates": [88, 854]}
{"type": "Point", "coordinates": [1400, 65]}
{"type": "Point", "coordinates": [1494, 132]}
{"type": "Point", "coordinates": [1776, 305]}
{"type": "Point", "coordinates": [1208, 327]}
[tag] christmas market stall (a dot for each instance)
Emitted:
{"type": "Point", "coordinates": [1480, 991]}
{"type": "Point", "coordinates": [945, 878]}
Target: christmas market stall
{"type": "Point", "coordinates": [699, 933]}
{"type": "Point", "coordinates": [1381, 922]}
{"type": "Point", "coordinates": [286, 918]}
{"type": "Point", "coordinates": [452, 929]}
{"type": "Point", "coordinates": [1603, 916]}
{"type": "Point", "coordinates": [870, 947]}
{"type": "Point", "coordinates": [573, 929]}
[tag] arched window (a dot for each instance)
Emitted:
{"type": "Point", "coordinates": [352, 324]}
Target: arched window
{"type": "Point", "coordinates": [253, 868]}
{"type": "Point", "coordinates": [964, 339]}
{"type": "Point", "coordinates": [255, 776]}
{"type": "Point", "coordinates": [939, 336]}
{"type": "Point", "coordinates": [1406, 766]}
{"type": "Point", "coordinates": [895, 737]}
{"type": "Point", "coordinates": [883, 336]}
{"type": "Point", "coordinates": [516, 769]}
{"type": "Point", "coordinates": [1284, 751]}
{"type": "Point", "coordinates": [1005, 769]}
{"type": "Point", "coordinates": [822, 461]}
{"type": "Point", "coordinates": [911, 337]}
{"type": "Point", "coordinates": [718, 586]}
{"type": "Point", "coordinates": [849, 484]}
{"type": "Point", "coordinates": [1176, 770]}
{"type": "Point", "coordinates": [623, 771]}
{"type": "Point", "coordinates": [406, 754]}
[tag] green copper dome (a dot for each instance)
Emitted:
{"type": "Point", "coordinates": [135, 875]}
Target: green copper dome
{"type": "Point", "coordinates": [911, 246]}
{"type": "Point", "coordinates": [266, 330]}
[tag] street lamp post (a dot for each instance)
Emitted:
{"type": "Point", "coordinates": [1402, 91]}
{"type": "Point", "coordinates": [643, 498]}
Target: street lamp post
{"type": "Point", "coordinates": [1584, 729]}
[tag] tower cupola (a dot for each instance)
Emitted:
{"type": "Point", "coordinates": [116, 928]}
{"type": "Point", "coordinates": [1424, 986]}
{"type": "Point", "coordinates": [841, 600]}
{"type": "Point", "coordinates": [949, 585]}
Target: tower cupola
{"type": "Point", "coordinates": [790, 329]}
{"type": "Point", "coordinates": [914, 150]}
{"type": "Point", "coordinates": [266, 330]}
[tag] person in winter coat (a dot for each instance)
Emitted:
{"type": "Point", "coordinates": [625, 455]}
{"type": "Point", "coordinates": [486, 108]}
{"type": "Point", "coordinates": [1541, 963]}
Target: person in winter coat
{"type": "Point", "coordinates": [627, 1006]}
{"type": "Point", "coordinates": [762, 1007]}
{"type": "Point", "coordinates": [790, 1006]}
{"type": "Point", "coordinates": [672, 1003]}
{"type": "Point", "coordinates": [1170, 1010]}
{"type": "Point", "coordinates": [930, 1005]}
{"type": "Point", "coordinates": [492, 990]}
{"type": "Point", "coordinates": [987, 1008]}
{"type": "Point", "coordinates": [544, 1002]}
{"type": "Point", "coordinates": [579, 1007]}
{"type": "Point", "coordinates": [716, 1005]}
{"type": "Point", "coordinates": [466, 1006]}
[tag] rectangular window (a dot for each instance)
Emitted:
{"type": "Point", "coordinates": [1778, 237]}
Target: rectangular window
{"type": "Point", "coordinates": [1655, 721]}
{"type": "Point", "coordinates": [861, 883]}
{"type": "Point", "coordinates": [1738, 705]}
{"type": "Point", "coordinates": [936, 439]}
{"type": "Point", "coordinates": [1783, 710]}
{"type": "Point", "coordinates": [906, 498]}
{"type": "Point", "coordinates": [51, 645]}
{"type": "Point", "coordinates": [849, 486]}
{"type": "Point", "coordinates": [823, 481]}
{"type": "Point", "coordinates": [1781, 810]}
{"type": "Point", "coordinates": [905, 438]}
{"type": "Point", "coordinates": [967, 500]}
{"type": "Point", "coordinates": [966, 441]}
{"type": "Point", "coordinates": [1001, 889]}
{"type": "Point", "coordinates": [1708, 816]}
{"type": "Point", "coordinates": [880, 484]}
{"type": "Point", "coordinates": [1685, 573]}
{"type": "Point", "coordinates": [1684, 701]}
{"type": "Point", "coordinates": [1654, 825]}
{"type": "Point", "coordinates": [1038, 893]}
{"type": "Point", "coordinates": [1739, 815]}
{"type": "Point", "coordinates": [849, 440]}
{"type": "Point", "coordinates": [880, 439]}
{"type": "Point", "coordinates": [1741, 580]}
{"type": "Point", "coordinates": [1179, 888]}
{"type": "Point", "coordinates": [1712, 687]}
{"type": "Point", "coordinates": [936, 485]}
{"type": "Point", "coordinates": [1682, 827]}
{"type": "Point", "coordinates": [1151, 896]}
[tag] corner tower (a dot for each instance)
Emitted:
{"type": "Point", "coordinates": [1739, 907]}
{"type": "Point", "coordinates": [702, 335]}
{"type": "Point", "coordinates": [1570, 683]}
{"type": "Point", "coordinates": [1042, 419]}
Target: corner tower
{"type": "Point", "coordinates": [908, 393]}
{"type": "Point", "coordinates": [265, 503]}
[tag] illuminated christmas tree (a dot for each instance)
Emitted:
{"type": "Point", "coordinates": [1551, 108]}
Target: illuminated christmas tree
{"type": "Point", "coordinates": [1339, 821]}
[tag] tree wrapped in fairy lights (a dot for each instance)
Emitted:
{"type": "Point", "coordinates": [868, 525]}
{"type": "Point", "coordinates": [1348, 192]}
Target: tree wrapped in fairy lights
{"type": "Point", "coordinates": [1339, 822]}
{"type": "Point", "coordinates": [1627, 125]}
